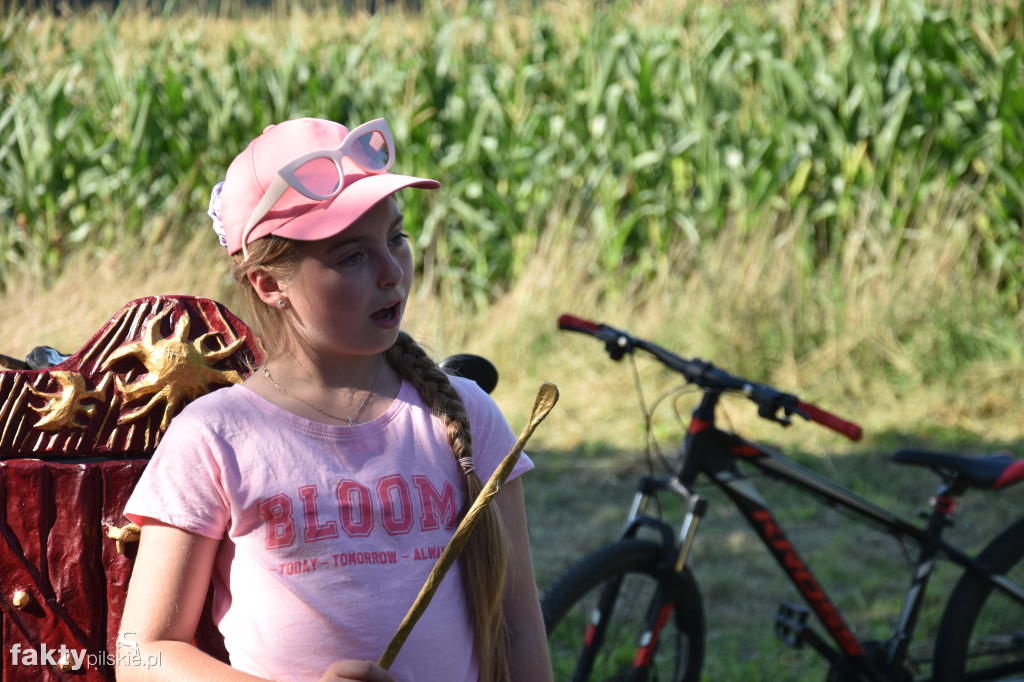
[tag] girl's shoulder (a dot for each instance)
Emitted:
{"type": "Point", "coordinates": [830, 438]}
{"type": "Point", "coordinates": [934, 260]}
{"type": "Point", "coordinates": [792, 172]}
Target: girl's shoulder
{"type": "Point", "coordinates": [484, 413]}
{"type": "Point", "coordinates": [230, 399]}
{"type": "Point", "coordinates": [221, 411]}
{"type": "Point", "coordinates": [473, 397]}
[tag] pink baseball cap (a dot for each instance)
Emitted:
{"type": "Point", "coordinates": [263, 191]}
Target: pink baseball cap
{"type": "Point", "coordinates": [294, 215]}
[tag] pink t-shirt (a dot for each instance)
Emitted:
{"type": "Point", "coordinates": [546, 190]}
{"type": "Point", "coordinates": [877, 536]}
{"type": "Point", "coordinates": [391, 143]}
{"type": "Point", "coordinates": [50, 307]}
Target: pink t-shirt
{"type": "Point", "coordinates": [328, 532]}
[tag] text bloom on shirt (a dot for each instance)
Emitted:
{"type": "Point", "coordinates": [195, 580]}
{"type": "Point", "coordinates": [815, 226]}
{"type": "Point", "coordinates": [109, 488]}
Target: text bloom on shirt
{"type": "Point", "coordinates": [395, 505]}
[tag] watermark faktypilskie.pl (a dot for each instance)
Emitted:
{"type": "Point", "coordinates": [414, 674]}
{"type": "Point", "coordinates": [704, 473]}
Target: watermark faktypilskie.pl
{"type": "Point", "coordinates": [127, 654]}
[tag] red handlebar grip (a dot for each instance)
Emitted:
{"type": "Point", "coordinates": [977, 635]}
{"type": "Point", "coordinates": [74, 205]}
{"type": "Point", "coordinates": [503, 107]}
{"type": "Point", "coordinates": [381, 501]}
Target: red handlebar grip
{"type": "Point", "coordinates": [577, 324]}
{"type": "Point", "coordinates": [837, 424]}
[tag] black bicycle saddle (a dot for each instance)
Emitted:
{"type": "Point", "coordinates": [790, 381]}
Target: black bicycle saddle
{"type": "Point", "coordinates": [990, 472]}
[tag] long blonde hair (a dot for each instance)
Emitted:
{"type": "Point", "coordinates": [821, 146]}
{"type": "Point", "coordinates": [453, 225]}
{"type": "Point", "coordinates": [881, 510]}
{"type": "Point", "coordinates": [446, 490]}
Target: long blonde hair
{"type": "Point", "coordinates": [484, 558]}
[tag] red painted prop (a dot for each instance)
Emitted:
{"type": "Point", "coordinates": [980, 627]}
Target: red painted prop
{"type": "Point", "coordinates": [74, 439]}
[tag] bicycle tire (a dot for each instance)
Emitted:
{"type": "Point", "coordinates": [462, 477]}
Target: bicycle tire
{"type": "Point", "coordinates": [981, 627]}
{"type": "Point", "coordinates": [571, 600]}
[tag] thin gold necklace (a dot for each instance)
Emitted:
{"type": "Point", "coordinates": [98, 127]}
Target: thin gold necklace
{"type": "Point", "coordinates": [351, 420]}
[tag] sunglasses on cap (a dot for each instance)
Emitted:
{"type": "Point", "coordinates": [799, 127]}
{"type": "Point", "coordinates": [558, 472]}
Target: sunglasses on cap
{"type": "Point", "coordinates": [318, 175]}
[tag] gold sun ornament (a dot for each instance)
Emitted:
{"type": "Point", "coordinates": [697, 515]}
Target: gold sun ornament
{"type": "Point", "coordinates": [64, 407]}
{"type": "Point", "coordinates": [176, 370]}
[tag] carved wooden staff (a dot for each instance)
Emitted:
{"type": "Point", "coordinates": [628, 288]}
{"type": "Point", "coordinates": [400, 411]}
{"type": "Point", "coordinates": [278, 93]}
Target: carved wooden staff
{"type": "Point", "coordinates": [547, 396]}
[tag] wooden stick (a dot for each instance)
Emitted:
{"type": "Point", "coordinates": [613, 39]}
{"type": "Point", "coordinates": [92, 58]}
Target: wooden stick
{"type": "Point", "coordinates": [547, 396]}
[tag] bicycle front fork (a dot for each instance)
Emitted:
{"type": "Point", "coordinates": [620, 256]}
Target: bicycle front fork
{"type": "Point", "coordinates": [696, 507]}
{"type": "Point", "coordinates": [675, 556]}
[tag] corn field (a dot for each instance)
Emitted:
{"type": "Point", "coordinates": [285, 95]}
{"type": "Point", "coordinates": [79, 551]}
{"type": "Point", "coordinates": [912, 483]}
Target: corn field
{"type": "Point", "coordinates": [636, 128]}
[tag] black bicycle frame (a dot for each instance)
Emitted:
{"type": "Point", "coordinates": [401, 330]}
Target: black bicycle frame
{"type": "Point", "coordinates": [708, 450]}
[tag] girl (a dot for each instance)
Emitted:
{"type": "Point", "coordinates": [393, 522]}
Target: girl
{"type": "Point", "coordinates": [318, 494]}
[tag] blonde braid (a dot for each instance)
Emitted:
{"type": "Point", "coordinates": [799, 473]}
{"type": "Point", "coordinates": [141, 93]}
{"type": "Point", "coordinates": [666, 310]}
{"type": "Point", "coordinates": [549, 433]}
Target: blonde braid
{"type": "Point", "coordinates": [484, 558]}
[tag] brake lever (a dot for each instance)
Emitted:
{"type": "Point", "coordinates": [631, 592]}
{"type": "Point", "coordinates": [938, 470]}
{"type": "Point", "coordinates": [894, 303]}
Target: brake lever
{"type": "Point", "coordinates": [618, 347]}
{"type": "Point", "coordinates": [771, 402]}
{"type": "Point", "coordinates": [771, 413]}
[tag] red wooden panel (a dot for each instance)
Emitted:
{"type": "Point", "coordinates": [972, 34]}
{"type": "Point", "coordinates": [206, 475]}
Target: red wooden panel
{"type": "Point", "coordinates": [74, 440]}
{"type": "Point", "coordinates": [56, 551]}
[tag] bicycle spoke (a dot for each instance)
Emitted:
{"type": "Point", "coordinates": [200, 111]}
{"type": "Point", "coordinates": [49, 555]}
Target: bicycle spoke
{"type": "Point", "coordinates": [996, 648]}
{"type": "Point", "coordinates": [996, 657]}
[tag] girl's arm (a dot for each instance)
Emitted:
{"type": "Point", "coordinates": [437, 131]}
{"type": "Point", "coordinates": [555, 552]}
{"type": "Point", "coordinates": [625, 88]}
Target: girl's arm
{"type": "Point", "coordinates": [165, 599]}
{"type": "Point", "coordinates": [528, 653]}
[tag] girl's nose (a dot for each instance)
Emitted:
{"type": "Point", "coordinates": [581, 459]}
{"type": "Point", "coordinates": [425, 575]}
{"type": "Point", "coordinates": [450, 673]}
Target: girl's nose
{"type": "Point", "coordinates": [392, 270]}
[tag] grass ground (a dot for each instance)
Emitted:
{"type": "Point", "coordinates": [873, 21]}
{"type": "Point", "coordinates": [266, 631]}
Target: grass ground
{"type": "Point", "coordinates": [590, 450]}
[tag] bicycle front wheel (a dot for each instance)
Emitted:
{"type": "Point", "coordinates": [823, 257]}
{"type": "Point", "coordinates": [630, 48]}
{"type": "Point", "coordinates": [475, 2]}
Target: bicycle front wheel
{"type": "Point", "coordinates": [598, 614]}
{"type": "Point", "coordinates": [981, 635]}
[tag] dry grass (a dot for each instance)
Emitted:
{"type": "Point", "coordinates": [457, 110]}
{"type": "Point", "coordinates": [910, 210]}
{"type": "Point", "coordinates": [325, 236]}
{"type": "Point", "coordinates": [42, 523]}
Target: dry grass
{"type": "Point", "coordinates": [91, 289]}
{"type": "Point", "coordinates": [861, 336]}
{"type": "Point", "coordinates": [867, 337]}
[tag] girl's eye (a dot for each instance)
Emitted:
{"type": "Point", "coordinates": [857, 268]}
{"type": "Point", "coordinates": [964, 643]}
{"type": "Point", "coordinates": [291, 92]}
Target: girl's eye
{"type": "Point", "coordinates": [398, 238]}
{"type": "Point", "coordinates": [352, 259]}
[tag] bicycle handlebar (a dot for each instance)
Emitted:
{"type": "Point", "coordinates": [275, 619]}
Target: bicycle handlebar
{"type": "Point", "coordinates": [831, 421]}
{"type": "Point", "coordinates": [708, 377]}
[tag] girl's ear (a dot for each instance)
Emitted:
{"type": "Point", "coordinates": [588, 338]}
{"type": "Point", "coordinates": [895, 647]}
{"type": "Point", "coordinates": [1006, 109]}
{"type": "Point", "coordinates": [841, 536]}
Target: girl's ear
{"type": "Point", "coordinates": [268, 288]}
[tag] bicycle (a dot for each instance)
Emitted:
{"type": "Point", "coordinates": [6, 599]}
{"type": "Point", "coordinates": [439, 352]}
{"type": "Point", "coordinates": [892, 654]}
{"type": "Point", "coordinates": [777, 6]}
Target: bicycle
{"type": "Point", "coordinates": [632, 610]}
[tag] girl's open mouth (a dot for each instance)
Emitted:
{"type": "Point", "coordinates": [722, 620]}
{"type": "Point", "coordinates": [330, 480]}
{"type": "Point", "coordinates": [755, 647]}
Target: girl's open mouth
{"type": "Point", "coordinates": [385, 314]}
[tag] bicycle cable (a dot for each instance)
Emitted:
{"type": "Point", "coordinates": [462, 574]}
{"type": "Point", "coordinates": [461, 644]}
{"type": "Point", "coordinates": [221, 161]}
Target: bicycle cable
{"type": "Point", "coordinates": [650, 444]}
{"type": "Point", "coordinates": [652, 450]}
{"type": "Point", "coordinates": [644, 412]}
